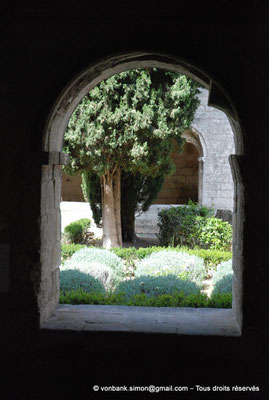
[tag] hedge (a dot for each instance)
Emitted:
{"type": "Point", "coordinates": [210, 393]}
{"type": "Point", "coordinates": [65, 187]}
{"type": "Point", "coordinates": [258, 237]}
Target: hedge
{"type": "Point", "coordinates": [220, 300]}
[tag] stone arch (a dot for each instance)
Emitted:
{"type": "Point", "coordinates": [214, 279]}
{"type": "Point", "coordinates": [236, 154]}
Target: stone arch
{"type": "Point", "coordinates": [216, 188]}
{"type": "Point", "coordinates": [192, 136]}
{"type": "Point", "coordinates": [53, 158]}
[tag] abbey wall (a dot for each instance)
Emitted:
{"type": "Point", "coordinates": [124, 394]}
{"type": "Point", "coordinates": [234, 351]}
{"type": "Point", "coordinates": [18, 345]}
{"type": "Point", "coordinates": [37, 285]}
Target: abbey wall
{"type": "Point", "coordinates": [217, 142]}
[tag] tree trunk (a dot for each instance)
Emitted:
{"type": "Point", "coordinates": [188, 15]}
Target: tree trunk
{"type": "Point", "coordinates": [112, 236]}
{"type": "Point", "coordinates": [117, 202]}
{"type": "Point", "coordinates": [128, 226]}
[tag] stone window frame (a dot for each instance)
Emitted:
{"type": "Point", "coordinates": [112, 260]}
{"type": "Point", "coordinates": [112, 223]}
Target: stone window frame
{"type": "Point", "coordinates": [218, 322]}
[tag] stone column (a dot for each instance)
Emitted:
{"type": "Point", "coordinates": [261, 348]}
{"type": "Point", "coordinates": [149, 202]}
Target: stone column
{"type": "Point", "coordinates": [200, 179]}
{"type": "Point", "coordinates": [50, 233]}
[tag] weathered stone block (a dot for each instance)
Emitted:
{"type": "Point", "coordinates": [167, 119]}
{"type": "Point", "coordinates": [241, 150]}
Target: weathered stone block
{"type": "Point", "coordinates": [225, 215]}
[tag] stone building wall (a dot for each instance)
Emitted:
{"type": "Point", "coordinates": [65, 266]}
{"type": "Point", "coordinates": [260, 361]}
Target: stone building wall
{"type": "Point", "coordinates": [217, 142]}
{"type": "Point", "coordinates": [71, 188]}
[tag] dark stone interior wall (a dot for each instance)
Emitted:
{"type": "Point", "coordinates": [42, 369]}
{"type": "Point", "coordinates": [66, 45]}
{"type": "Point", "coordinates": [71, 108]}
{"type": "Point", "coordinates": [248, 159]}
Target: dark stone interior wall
{"type": "Point", "coordinates": [42, 48]}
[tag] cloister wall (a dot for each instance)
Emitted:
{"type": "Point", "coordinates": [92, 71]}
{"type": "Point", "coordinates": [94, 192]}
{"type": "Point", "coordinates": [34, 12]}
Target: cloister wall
{"type": "Point", "coordinates": [217, 141]}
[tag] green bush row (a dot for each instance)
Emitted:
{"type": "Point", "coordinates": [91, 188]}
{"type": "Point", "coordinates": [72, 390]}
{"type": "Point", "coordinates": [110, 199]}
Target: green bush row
{"type": "Point", "coordinates": [220, 300]}
{"type": "Point", "coordinates": [211, 257]}
{"type": "Point", "coordinates": [160, 273]}
{"type": "Point", "coordinates": [136, 254]}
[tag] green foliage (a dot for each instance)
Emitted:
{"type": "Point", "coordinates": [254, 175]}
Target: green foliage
{"type": "Point", "coordinates": [212, 233]}
{"type": "Point", "coordinates": [95, 269]}
{"type": "Point", "coordinates": [211, 257]}
{"type": "Point", "coordinates": [137, 254]}
{"type": "Point", "coordinates": [99, 255]}
{"type": "Point", "coordinates": [193, 225]}
{"type": "Point", "coordinates": [221, 300]}
{"type": "Point", "coordinates": [73, 279]}
{"type": "Point", "coordinates": [156, 285]}
{"type": "Point", "coordinates": [91, 190]}
{"type": "Point", "coordinates": [167, 262]}
{"type": "Point", "coordinates": [90, 258]}
{"type": "Point", "coordinates": [127, 123]}
{"type": "Point", "coordinates": [176, 223]}
{"type": "Point", "coordinates": [223, 277]}
{"type": "Point", "coordinates": [75, 232]}
{"type": "Point", "coordinates": [164, 277]}
{"type": "Point", "coordinates": [138, 193]}
{"type": "Point", "coordinates": [68, 249]}
{"type": "Point", "coordinates": [129, 120]}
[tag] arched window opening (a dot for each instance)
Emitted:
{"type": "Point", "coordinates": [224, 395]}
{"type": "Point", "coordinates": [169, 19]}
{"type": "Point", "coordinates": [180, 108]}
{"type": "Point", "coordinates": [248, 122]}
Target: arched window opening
{"type": "Point", "coordinates": [51, 183]}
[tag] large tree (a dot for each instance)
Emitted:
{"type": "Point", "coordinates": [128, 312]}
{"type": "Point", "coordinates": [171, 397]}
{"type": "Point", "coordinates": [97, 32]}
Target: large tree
{"type": "Point", "coordinates": [127, 123]}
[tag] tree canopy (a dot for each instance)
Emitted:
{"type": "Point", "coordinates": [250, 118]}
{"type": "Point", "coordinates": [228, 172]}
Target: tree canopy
{"type": "Point", "coordinates": [127, 123]}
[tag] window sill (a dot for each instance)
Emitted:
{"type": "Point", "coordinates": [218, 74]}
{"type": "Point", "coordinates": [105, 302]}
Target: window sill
{"type": "Point", "coordinates": [170, 320]}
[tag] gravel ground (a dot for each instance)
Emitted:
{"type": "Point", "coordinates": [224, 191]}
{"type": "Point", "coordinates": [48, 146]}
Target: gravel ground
{"type": "Point", "coordinates": [72, 211]}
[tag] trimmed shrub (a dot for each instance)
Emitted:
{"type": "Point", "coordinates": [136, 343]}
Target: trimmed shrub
{"type": "Point", "coordinates": [169, 262]}
{"type": "Point", "coordinates": [223, 277]}
{"type": "Point", "coordinates": [176, 223]}
{"type": "Point", "coordinates": [99, 271]}
{"type": "Point", "coordinates": [155, 286]}
{"type": "Point", "coordinates": [73, 279]}
{"type": "Point", "coordinates": [69, 249]}
{"type": "Point", "coordinates": [75, 232]}
{"type": "Point", "coordinates": [91, 259]}
{"type": "Point", "coordinates": [99, 255]}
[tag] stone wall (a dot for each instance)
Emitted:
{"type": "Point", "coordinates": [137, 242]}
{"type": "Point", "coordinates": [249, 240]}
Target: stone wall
{"type": "Point", "coordinates": [217, 141]}
{"type": "Point", "coordinates": [71, 188]}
